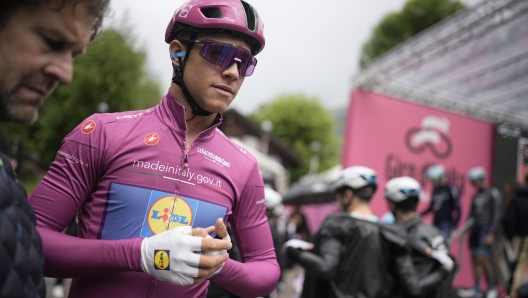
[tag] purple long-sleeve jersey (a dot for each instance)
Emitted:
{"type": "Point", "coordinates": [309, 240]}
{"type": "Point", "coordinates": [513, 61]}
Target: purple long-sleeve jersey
{"type": "Point", "coordinates": [128, 176]}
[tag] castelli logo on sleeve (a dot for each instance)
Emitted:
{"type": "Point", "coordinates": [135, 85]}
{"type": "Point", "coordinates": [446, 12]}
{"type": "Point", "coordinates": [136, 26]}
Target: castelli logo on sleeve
{"type": "Point", "coordinates": [433, 135]}
{"type": "Point", "coordinates": [88, 127]}
{"type": "Point", "coordinates": [151, 139]}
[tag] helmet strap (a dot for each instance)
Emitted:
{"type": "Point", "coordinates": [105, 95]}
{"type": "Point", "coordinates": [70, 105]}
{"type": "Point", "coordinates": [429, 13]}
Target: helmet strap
{"type": "Point", "coordinates": [178, 80]}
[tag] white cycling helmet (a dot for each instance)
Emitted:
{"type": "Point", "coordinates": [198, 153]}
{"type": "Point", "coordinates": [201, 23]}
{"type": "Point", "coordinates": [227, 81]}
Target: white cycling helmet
{"type": "Point", "coordinates": [273, 201]}
{"type": "Point", "coordinates": [477, 173]}
{"type": "Point", "coordinates": [356, 177]}
{"type": "Point", "coordinates": [435, 173]}
{"type": "Point", "coordinates": [402, 188]}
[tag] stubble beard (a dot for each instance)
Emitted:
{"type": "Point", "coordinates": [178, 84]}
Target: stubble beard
{"type": "Point", "coordinates": [20, 110]}
{"type": "Point", "coordinates": [12, 112]}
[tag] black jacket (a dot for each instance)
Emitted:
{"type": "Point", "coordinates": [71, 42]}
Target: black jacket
{"type": "Point", "coordinates": [359, 258]}
{"type": "Point", "coordinates": [420, 236]}
{"type": "Point", "coordinates": [515, 220]}
{"type": "Point", "coordinates": [21, 261]}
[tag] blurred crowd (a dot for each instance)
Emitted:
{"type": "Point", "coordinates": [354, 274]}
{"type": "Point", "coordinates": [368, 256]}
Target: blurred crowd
{"type": "Point", "coordinates": [356, 254]}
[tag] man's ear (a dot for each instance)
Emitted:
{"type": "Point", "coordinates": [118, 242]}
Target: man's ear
{"type": "Point", "coordinates": [392, 206]}
{"type": "Point", "coordinates": [176, 49]}
{"type": "Point", "coordinates": [348, 196]}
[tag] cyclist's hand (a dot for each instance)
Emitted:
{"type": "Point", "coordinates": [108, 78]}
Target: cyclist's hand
{"type": "Point", "coordinates": [221, 232]}
{"type": "Point", "coordinates": [295, 243]}
{"type": "Point", "coordinates": [488, 241]}
{"type": "Point", "coordinates": [443, 258]}
{"type": "Point", "coordinates": [174, 255]}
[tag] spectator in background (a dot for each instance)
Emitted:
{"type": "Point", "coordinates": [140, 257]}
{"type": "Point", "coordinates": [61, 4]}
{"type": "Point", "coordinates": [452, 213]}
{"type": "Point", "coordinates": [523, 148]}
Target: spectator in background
{"type": "Point", "coordinates": [297, 228]}
{"type": "Point", "coordinates": [509, 188]}
{"type": "Point", "coordinates": [355, 256]}
{"type": "Point", "coordinates": [274, 209]}
{"type": "Point", "coordinates": [500, 257]}
{"type": "Point", "coordinates": [444, 201]}
{"type": "Point", "coordinates": [485, 211]}
{"type": "Point", "coordinates": [435, 265]}
{"type": "Point", "coordinates": [515, 222]}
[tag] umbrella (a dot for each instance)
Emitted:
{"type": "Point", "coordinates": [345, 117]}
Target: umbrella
{"type": "Point", "coordinates": [309, 192]}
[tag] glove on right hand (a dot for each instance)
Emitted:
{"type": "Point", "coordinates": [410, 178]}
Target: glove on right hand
{"type": "Point", "coordinates": [443, 258]}
{"type": "Point", "coordinates": [170, 256]}
{"type": "Point", "coordinates": [295, 243]}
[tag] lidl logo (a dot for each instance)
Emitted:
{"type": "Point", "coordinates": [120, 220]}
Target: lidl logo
{"type": "Point", "coordinates": [162, 260]}
{"type": "Point", "coordinates": [160, 210]}
{"type": "Point", "coordinates": [169, 212]}
{"type": "Point", "coordinates": [151, 139]}
{"type": "Point", "coordinates": [88, 127]}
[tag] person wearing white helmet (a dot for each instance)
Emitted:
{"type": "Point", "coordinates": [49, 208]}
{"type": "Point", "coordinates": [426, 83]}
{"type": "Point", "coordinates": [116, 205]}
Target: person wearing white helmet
{"type": "Point", "coordinates": [429, 249]}
{"type": "Point", "coordinates": [485, 212]}
{"type": "Point", "coordinates": [274, 205]}
{"type": "Point", "coordinates": [354, 255]}
{"type": "Point", "coordinates": [444, 201]}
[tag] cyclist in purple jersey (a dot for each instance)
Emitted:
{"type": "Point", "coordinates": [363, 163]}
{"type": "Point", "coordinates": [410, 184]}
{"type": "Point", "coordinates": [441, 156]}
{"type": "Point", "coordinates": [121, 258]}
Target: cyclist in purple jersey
{"type": "Point", "coordinates": [141, 180]}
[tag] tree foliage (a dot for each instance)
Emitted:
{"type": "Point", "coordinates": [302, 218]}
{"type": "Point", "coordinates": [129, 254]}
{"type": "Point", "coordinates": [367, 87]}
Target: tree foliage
{"type": "Point", "coordinates": [397, 27]}
{"type": "Point", "coordinates": [112, 71]}
{"type": "Point", "coordinates": [298, 121]}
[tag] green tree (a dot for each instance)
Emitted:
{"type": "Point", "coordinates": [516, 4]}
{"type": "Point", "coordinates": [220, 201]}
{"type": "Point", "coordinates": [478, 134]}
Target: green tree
{"type": "Point", "coordinates": [112, 71]}
{"type": "Point", "coordinates": [299, 121]}
{"type": "Point", "coordinates": [397, 27]}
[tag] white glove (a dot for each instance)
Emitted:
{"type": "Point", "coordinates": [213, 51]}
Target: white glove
{"type": "Point", "coordinates": [295, 243]}
{"type": "Point", "coordinates": [443, 258]}
{"type": "Point", "coordinates": [217, 252]}
{"type": "Point", "coordinates": [170, 256]}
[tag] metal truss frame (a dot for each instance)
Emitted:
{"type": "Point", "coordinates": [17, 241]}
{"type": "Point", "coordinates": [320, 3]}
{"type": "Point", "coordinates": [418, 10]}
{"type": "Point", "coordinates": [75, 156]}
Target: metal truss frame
{"type": "Point", "coordinates": [463, 27]}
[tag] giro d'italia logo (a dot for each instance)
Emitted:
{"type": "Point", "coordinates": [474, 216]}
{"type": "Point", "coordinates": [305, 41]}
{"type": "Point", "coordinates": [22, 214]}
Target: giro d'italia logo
{"type": "Point", "coordinates": [167, 213]}
{"type": "Point", "coordinates": [432, 136]}
{"type": "Point", "coordinates": [185, 11]}
{"type": "Point", "coordinates": [162, 259]}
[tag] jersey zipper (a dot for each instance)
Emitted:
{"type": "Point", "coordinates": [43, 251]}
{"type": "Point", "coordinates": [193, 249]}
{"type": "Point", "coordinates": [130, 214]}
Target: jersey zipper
{"type": "Point", "coordinates": [186, 157]}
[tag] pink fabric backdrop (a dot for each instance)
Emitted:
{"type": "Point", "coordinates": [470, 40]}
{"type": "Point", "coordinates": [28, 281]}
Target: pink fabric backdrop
{"type": "Point", "coordinates": [399, 138]}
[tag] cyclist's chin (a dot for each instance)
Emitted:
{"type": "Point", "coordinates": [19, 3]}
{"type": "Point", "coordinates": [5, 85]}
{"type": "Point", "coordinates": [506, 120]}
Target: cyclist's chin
{"type": "Point", "coordinates": [217, 104]}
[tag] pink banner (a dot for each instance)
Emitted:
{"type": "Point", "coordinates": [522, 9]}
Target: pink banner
{"type": "Point", "coordinates": [400, 138]}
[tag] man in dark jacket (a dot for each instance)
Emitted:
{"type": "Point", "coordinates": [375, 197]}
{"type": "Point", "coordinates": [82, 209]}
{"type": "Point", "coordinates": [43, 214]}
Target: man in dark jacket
{"type": "Point", "coordinates": [429, 248]}
{"type": "Point", "coordinates": [354, 256]}
{"type": "Point", "coordinates": [485, 212]}
{"type": "Point", "coordinates": [444, 201]}
{"type": "Point", "coordinates": [515, 223]}
{"type": "Point", "coordinates": [38, 41]}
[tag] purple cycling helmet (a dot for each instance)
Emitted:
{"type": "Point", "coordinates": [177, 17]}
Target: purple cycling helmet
{"type": "Point", "coordinates": [235, 17]}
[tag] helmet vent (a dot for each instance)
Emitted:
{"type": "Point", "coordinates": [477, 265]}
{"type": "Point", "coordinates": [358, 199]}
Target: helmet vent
{"type": "Point", "coordinates": [251, 17]}
{"type": "Point", "coordinates": [212, 12]}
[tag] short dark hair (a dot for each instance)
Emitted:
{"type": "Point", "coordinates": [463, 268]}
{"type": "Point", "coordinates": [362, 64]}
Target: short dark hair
{"type": "Point", "coordinates": [408, 205]}
{"type": "Point", "coordinates": [98, 8]}
{"type": "Point", "coordinates": [364, 193]}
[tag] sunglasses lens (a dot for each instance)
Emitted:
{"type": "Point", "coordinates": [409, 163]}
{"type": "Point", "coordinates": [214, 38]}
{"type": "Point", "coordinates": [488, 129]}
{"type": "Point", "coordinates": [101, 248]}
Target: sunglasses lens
{"type": "Point", "coordinates": [223, 55]}
{"type": "Point", "coordinates": [249, 70]}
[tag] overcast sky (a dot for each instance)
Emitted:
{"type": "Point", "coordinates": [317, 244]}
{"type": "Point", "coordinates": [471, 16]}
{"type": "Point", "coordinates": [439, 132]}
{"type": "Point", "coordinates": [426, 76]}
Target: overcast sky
{"type": "Point", "coordinates": [312, 47]}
